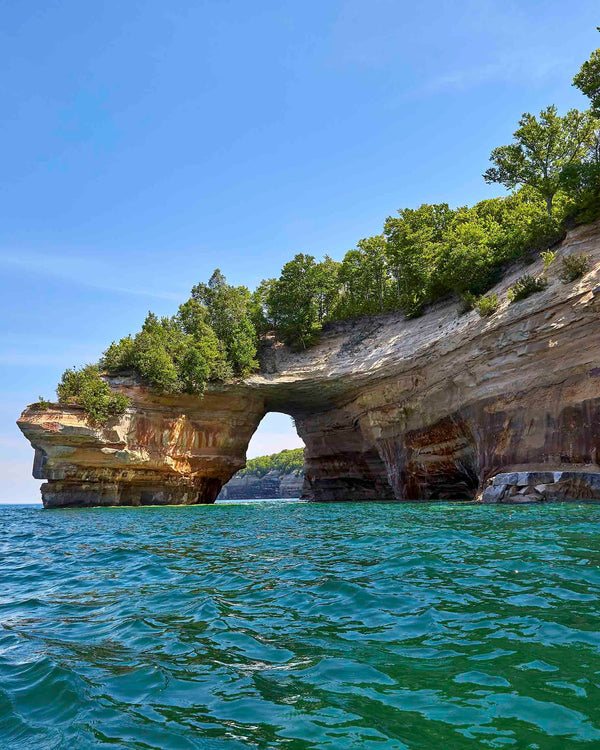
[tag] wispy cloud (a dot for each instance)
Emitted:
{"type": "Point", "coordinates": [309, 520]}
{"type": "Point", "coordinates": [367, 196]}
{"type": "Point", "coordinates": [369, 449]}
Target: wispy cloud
{"type": "Point", "coordinates": [531, 66]}
{"type": "Point", "coordinates": [48, 351]}
{"type": "Point", "coordinates": [31, 359]}
{"type": "Point", "coordinates": [79, 269]}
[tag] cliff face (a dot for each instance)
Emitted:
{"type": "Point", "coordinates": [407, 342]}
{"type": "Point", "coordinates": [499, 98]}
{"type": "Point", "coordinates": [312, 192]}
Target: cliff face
{"type": "Point", "coordinates": [164, 450]}
{"type": "Point", "coordinates": [388, 408]}
{"type": "Point", "coordinates": [272, 485]}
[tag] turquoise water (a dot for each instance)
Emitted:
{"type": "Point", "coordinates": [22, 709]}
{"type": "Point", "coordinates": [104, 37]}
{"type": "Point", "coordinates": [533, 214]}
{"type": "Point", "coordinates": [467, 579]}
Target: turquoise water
{"type": "Point", "coordinates": [291, 625]}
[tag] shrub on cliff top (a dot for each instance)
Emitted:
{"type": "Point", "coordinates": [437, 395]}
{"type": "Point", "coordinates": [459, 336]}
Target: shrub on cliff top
{"type": "Point", "coordinates": [292, 301]}
{"type": "Point", "coordinates": [229, 314]}
{"type": "Point", "coordinates": [548, 258]}
{"type": "Point", "coordinates": [466, 303]}
{"type": "Point", "coordinates": [173, 355]}
{"type": "Point", "coordinates": [211, 338]}
{"type": "Point", "coordinates": [86, 388]}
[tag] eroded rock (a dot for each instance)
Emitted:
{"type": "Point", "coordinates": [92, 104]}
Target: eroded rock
{"type": "Point", "coordinates": [563, 486]}
{"type": "Point", "coordinates": [164, 450]}
{"type": "Point", "coordinates": [389, 409]}
{"type": "Point", "coordinates": [273, 485]}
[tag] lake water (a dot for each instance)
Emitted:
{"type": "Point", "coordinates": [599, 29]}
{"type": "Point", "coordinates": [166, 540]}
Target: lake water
{"type": "Point", "coordinates": [293, 625]}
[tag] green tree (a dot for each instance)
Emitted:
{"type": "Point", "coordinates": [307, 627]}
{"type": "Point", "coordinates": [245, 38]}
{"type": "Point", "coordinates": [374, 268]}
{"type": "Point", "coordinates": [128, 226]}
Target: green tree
{"type": "Point", "coordinates": [86, 388]}
{"type": "Point", "coordinates": [292, 301]}
{"type": "Point", "coordinates": [581, 182]}
{"type": "Point", "coordinates": [204, 355]}
{"type": "Point", "coordinates": [230, 316]}
{"type": "Point", "coordinates": [158, 347]}
{"type": "Point", "coordinates": [259, 310]}
{"type": "Point", "coordinates": [588, 80]}
{"type": "Point", "coordinates": [192, 317]}
{"type": "Point", "coordinates": [178, 354]}
{"type": "Point", "coordinates": [542, 149]}
{"type": "Point", "coordinates": [376, 271]}
{"type": "Point", "coordinates": [326, 287]}
{"type": "Point", "coordinates": [119, 356]}
{"type": "Point", "coordinates": [464, 257]}
{"type": "Point", "coordinates": [413, 241]}
{"type": "Point", "coordinates": [351, 277]}
{"type": "Point", "coordinates": [364, 278]}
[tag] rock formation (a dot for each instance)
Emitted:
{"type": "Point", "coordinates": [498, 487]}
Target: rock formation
{"type": "Point", "coordinates": [163, 450]}
{"type": "Point", "coordinates": [272, 485]}
{"type": "Point", "coordinates": [541, 486]}
{"type": "Point", "coordinates": [389, 408]}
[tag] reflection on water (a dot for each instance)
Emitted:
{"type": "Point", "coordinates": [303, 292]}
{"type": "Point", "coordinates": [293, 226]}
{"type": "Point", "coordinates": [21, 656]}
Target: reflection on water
{"type": "Point", "coordinates": [303, 626]}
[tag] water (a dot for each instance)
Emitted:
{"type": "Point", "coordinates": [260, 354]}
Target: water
{"type": "Point", "coordinates": [290, 625]}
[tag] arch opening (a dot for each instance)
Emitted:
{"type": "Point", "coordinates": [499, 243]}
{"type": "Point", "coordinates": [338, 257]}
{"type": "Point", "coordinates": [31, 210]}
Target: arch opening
{"type": "Point", "coordinates": [275, 477]}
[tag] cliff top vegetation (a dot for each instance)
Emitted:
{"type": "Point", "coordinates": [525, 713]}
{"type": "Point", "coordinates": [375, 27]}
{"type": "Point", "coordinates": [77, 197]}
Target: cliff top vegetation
{"type": "Point", "coordinates": [552, 167]}
{"type": "Point", "coordinates": [285, 462]}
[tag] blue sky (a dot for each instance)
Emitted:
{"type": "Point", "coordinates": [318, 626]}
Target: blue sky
{"type": "Point", "coordinates": [146, 143]}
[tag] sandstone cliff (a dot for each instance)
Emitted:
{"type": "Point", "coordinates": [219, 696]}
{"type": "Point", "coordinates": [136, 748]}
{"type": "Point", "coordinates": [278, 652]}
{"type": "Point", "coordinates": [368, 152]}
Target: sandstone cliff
{"type": "Point", "coordinates": [163, 450]}
{"type": "Point", "coordinates": [273, 485]}
{"type": "Point", "coordinates": [388, 408]}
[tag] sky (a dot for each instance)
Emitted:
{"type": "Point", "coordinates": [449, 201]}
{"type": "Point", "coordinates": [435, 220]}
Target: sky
{"type": "Point", "coordinates": [146, 143]}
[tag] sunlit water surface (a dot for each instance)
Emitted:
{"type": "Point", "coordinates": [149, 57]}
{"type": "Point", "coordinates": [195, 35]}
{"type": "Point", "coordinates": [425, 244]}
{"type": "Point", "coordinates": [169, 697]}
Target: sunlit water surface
{"type": "Point", "coordinates": [300, 626]}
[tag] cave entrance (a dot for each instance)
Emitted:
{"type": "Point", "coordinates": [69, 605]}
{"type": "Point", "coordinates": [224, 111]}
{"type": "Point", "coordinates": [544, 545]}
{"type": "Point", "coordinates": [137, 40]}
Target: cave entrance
{"type": "Point", "coordinates": [275, 433]}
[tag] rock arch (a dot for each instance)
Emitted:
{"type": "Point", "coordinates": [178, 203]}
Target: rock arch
{"type": "Point", "coordinates": [388, 408]}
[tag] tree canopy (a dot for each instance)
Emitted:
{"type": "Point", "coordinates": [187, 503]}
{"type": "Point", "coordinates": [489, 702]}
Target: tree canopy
{"type": "Point", "coordinates": [543, 147]}
{"type": "Point", "coordinates": [588, 80]}
{"type": "Point", "coordinates": [228, 312]}
{"type": "Point", "coordinates": [210, 338]}
{"type": "Point", "coordinates": [86, 388]}
{"type": "Point", "coordinates": [173, 355]}
{"type": "Point", "coordinates": [285, 462]}
{"type": "Point", "coordinates": [293, 300]}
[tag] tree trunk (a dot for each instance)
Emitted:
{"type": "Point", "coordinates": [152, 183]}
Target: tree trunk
{"type": "Point", "coordinates": [549, 204]}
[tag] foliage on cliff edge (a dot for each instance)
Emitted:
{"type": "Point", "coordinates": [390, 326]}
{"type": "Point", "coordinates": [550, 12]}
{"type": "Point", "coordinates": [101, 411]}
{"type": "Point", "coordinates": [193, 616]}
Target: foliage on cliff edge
{"type": "Point", "coordinates": [211, 338]}
{"type": "Point", "coordinates": [285, 462]}
{"type": "Point", "coordinates": [86, 388]}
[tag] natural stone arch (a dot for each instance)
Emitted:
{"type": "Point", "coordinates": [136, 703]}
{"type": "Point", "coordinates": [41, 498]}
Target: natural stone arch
{"type": "Point", "coordinates": [339, 463]}
{"type": "Point", "coordinates": [388, 408]}
{"type": "Point", "coordinates": [273, 435]}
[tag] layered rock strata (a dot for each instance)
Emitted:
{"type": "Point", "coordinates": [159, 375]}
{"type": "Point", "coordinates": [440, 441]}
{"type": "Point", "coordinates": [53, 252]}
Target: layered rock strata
{"type": "Point", "coordinates": [273, 485]}
{"type": "Point", "coordinates": [164, 450]}
{"type": "Point", "coordinates": [389, 408]}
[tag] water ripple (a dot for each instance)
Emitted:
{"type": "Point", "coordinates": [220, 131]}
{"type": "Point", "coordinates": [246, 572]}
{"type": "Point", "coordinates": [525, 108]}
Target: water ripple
{"type": "Point", "coordinates": [293, 625]}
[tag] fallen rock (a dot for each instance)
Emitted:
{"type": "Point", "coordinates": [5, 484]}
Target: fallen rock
{"type": "Point", "coordinates": [570, 486]}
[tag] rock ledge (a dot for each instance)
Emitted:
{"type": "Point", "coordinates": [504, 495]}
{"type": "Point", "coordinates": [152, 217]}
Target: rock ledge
{"type": "Point", "coordinates": [542, 486]}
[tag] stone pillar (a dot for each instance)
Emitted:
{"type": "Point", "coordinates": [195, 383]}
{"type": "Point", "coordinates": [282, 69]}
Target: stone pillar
{"type": "Point", "coordinates": [338, 463]}
{"type": "Point", "coordinates": [165, 450]}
